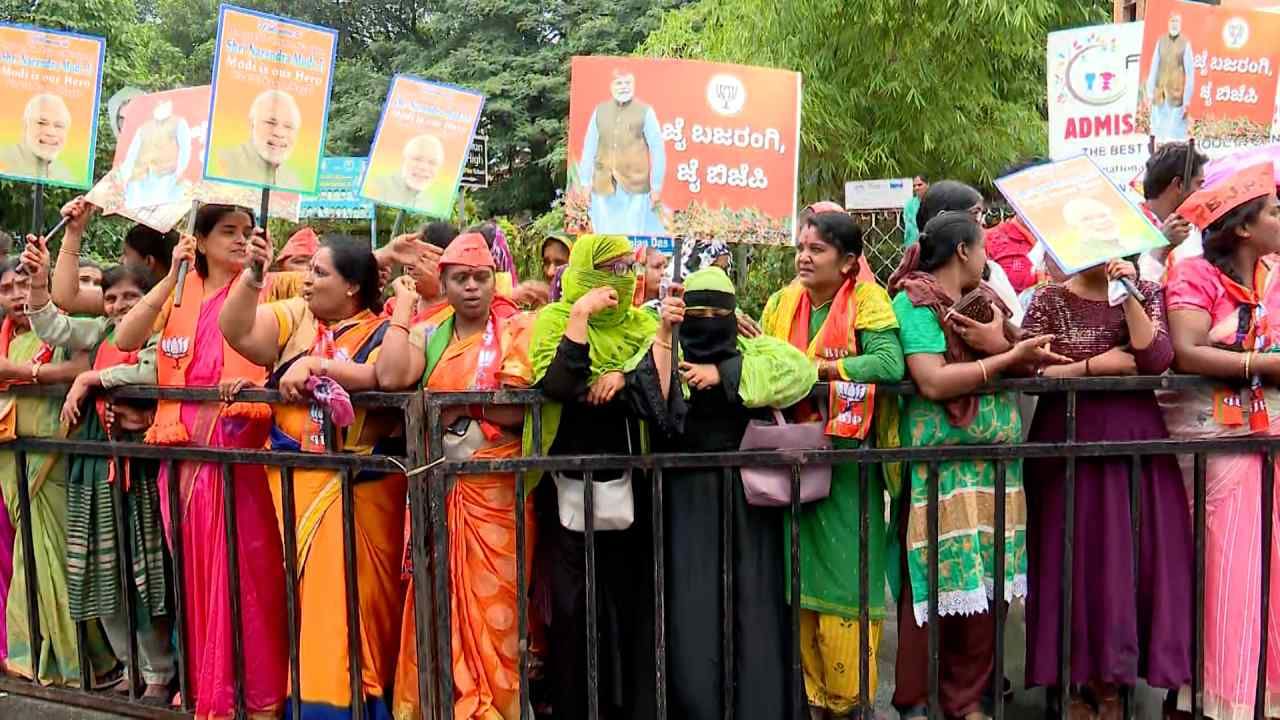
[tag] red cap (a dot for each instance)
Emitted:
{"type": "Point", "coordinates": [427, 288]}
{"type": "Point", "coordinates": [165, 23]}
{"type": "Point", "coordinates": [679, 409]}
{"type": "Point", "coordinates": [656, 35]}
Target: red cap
{"type": "Point", "coordinates": [468, 249]}
{"type": "Point", "coordinates": [303, 243]}
{"type": "Point", "coordinates": [1208, 205]}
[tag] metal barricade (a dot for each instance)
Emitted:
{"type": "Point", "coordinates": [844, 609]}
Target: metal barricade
{"type": "Point", "coordinates": [443, 474]}
{"type": "Point", "coordinates": [409, 405]}
{"type": "Point", "coordinates": [432, 477]}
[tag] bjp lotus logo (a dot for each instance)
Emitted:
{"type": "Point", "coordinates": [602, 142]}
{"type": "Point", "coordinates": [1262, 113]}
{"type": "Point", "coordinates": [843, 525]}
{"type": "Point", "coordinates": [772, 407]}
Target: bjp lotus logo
{"type": "Point", "coordinates": [726, 94]}
{"type": "Point", "coordinates": [175, 346]}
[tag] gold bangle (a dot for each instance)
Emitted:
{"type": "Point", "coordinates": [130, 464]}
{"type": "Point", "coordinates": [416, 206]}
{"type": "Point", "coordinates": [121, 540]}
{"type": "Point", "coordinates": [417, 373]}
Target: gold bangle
{"type": "Point", "coordinates": [1248, 363]}
{"type": "Point", "coordinates": [35, 372]}
{"type": "Point", "coordinates": [396, 325]}
{"type": "Point", "coordinates": [65, 251]}
{"type": "Point", "coordinates": [983, 367]}
{"type": "Point", "coordinates": [663, 345]}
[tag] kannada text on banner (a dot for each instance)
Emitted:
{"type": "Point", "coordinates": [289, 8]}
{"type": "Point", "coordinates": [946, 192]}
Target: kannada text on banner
{"type": "Point", "coordinates": [339, 191]}
{"type": "Point", "coordinates": [1079, 214]}
{"type": "Point", "coordinates": [49, 86]}
{"type": "Point", "coordinates": [679, 147]}
{"type": "Point", "coordinates": [1093, 97]}
{"type": "Point", "coordinates": [1209, 73]}
{"type": "Point", "coordinates": [421, 145]}
{"type": "Point", "coordinates": [271, 82]}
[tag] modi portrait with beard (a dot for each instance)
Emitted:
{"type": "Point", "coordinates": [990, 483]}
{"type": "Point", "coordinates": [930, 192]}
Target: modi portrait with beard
{"type": "Point", "coordinates": [274, 122]}
{"type": "Point", "coordinates": [408, 187]}
{"type": "Point", "coordinates": [46, 121]}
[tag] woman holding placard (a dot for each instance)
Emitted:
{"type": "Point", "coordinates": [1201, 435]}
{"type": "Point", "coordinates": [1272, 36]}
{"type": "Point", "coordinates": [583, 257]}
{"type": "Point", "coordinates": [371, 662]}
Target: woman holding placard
{"type": "Point", "coordinates": [193, 353]}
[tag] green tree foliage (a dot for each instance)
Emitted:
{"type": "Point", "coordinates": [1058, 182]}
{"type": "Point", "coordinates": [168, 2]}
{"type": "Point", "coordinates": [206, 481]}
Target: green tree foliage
{"type": "Point", "coordinates": [893, 87]}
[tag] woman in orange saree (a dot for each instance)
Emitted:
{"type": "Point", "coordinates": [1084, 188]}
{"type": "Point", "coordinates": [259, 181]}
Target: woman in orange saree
{"type": "Point", "coordinates": [482, 345]}
{"type": "Point", "coordinates": [331, 335]}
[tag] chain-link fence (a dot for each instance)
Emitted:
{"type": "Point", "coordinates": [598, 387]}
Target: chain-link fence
{"type": "Point", "coordinates": [882, 232]}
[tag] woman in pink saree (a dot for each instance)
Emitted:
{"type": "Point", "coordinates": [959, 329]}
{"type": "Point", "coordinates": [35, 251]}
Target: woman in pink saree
{"type": "Point", "coordinates": [1224, 319]}
{"type": "Point", "coordinates": [192, 352]}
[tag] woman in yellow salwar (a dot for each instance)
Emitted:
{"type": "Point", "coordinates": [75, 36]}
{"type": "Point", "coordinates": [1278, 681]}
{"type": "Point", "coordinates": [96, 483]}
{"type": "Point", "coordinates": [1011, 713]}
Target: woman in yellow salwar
{"type": "Point", "coordinates": [24, 358]}
{"type": "Point", "coordinates": [483, 345]}
{"type": "Point", "coordinates": [847, 328]}
{"type": "Point", "coordinates": [321, 346]}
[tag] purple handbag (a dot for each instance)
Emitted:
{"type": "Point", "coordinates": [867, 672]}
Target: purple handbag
{"type": "Point", "coordinates": [771, 486]}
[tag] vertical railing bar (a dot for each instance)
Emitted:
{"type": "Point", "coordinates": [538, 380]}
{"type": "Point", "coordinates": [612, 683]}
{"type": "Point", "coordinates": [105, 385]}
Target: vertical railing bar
{"type": "Point", "coordinates": [798, 695]}
{"type": "Point", "coordinates": [82, 654]}
{"type": "Point", "coordinates": [355, 666]}
{"type": "Point", "coordinates": [1197, 596]}
{"type": "Point", "coordinates": [726, 593]}
{"type": "Point", "coordinates": [179, 584]}
{"type": "Point", "coordinates": [659, 595]}
{"type": "Point", "coordinates": [1135, 520]}
{"type": "Point", "coordinates": [998, 593]}
{"type": "Point", "coordinates": [233, 580]}
{"type": "Point", "coordinates": [522, 569]}
{"type": "Point", "coordinates": [437, 496]}
{"type": "Point", "coordinates": [1268, 502]}
{"type": "Point", "coordinates": [865, 708]}
{"type": "Point", "coordinates": [419, 419]}
{"type": "Point", "coordinates": [28, 560]}
{"type": "Point", "coordinates": [125, 557]}
{"type": "Point", "coordinates": [1068, 558]}
{"type": "Point", "coordinates": [289, 513]}
{"type": "Point", "coordinates": [351, 570]}
{"type": "Point", "coordinates": [593, 650]}
{"type": "Point", "coordinates": [935, 704]}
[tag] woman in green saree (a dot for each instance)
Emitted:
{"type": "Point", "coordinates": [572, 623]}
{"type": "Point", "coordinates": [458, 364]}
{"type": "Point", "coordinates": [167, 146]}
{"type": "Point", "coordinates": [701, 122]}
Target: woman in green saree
{"type": "Point", "coordinates": [24, 358]}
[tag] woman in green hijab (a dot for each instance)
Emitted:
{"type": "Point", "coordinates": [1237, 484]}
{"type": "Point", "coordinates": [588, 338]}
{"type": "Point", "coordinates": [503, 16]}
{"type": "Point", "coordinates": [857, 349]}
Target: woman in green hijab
{"type": "Point", "coordinates": [580, 348]}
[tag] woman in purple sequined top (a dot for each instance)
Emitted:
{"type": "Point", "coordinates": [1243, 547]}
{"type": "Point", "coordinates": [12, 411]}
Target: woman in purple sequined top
{"type": "Point", "coordinates": [1115, 639]}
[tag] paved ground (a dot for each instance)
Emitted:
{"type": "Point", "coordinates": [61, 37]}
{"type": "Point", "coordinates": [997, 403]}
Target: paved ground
{"type": "Point", "coordinates": [1027, 704]}
{"type": "Point", "coordinates": [19, 708]}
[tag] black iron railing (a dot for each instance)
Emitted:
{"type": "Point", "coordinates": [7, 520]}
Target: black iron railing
{"type": "Point", "coordinates": [432, 476]}
{"type": "Point", "coordinates": [349, 465]}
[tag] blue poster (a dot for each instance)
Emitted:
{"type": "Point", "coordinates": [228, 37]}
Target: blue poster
{"type": "Point", "coordinates": [339, 187]}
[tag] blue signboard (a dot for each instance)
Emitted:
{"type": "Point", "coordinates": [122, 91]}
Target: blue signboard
{"type": "Point", "coordinates": [339, 191]}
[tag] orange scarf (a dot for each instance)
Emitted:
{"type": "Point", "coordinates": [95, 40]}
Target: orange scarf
{"type": "Point", "coordinates": [108, 356]}
{"type": "Point", "coordinates": [1256, 338]}
{"type": "Point", "coordinates": [177, 345]}
{"type": "Point", "coordinates": [852, 404]}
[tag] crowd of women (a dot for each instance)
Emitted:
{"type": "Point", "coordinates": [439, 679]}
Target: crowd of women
{"type": "Point", "coordinates": [596, 335]}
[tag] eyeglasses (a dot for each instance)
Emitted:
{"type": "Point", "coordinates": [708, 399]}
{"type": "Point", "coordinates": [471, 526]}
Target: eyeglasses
{"type": "Point", "coordinates": [707, 312]}
{"type": "Point", "coordinates": [617, 267]}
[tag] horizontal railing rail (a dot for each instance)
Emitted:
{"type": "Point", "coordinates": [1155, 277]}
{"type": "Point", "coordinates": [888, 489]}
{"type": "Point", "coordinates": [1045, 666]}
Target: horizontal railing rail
{"type": "Point", "coordinates": [432, 477]}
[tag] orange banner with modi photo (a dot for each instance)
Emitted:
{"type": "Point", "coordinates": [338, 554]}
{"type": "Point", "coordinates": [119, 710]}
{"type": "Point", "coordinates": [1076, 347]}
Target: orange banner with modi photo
{"type": "Point", "coordinates": [420, 146]}
{"type": "Point", "coordinates": [682, 148]}
{"type": "Point", "coordinates": [49, 84]}
{"type": "Point", "coordinates": [270, 106]}
{"type": "Point", "coordinates": [1209, 72]}
{"type": "Point", "coordinates": [156, 173]}
{"type": "Point", "coordinates": [1080, 215]}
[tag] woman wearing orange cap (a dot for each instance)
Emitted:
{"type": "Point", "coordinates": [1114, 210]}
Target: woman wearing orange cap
{"type": "Point", "coordinates": [1222, 310]}
{"type": "Point", "coordinates": [480, 345]}
{"type": "Point", "coordinates": [320, 347]}
{"type": "Point", "coordinates": [296, 254]}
